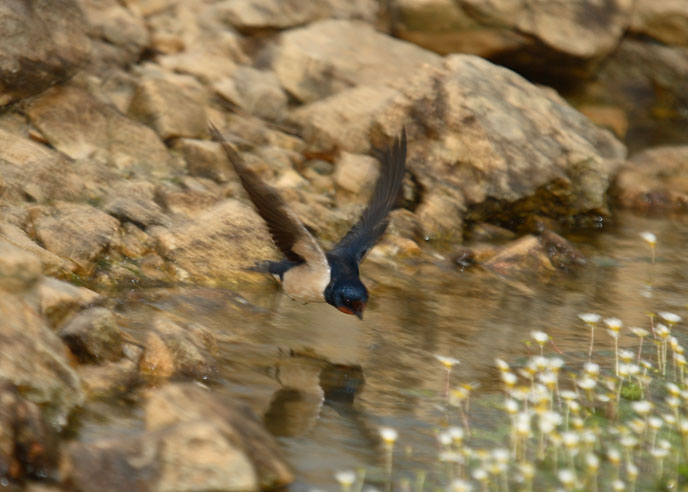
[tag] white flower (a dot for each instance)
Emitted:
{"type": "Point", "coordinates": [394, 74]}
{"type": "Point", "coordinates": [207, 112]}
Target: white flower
{"type": "Point", "coordinates": [662, 330]}
{"type": "Point", "coordinates": [655, 423]}
{"type": "Point", "coordinates": [590, 318]}
{"type": "Point", "coordinates": [639, 332]}
{"type": "Point", "coordinates": [509, 378]}
{"type": "Point", "coordinates": [570, 439]}
{"type": "Point", "coordinates": [448, 362]}
{"type": "Point", "coordinates": [618, 485]}
{"type": "Point", "coordinates": [586, 383]}
{"type": "Point", "coordinates": [459, 485]}
{"type": "Point", "coordinates": [501, 365]}
{"type": "Point", "coordinates": [388, 435]}
{"type": "Point", "coordinates": [539, 336]}
{"type": "Point", "coordinates": [592, 461]}
{"type": "Point", "coordinates": [444, 438]}
{"type": "Point", "coordinates": [548, 421]}
{"type": "Point", "coordinates": [522, 424]}
{"type": "Point", "coordinates": [626, 355]}
{"type": "Point", "coordinates": [500, 455]}
{"type": "Point", "coordinates": [511, 406]}
{"type": "Point", "coordinates": [613, 324]}
{"type": "Point", "coordinates": [456, 433]}
{"type": "Point", "coordinates": [480, 474]}
{"type": "Point", "coordinates": [673, 389]}
{"type": "Point", "coordinates": [670, 318]}
{"type": "Point", "coordinates": [345, 478]}
{"type": "Point", "coordinates": [567, 477]}
{"type": "Point", "coordinates": [591, 369]}
{"type": "Point", "coordinates": [642, 407]}
{"type": "Point", "coordinates": [649, 238]}
{"type": "Point", "coordinates": [568, 394]}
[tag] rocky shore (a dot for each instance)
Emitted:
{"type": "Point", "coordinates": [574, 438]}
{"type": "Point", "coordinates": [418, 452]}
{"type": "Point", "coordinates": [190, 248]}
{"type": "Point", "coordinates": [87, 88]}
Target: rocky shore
{"type": "Point", "coordinates": [518, 114]}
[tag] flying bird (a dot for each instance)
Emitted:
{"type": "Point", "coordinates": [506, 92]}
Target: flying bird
{"type": "Point", "coordinates": [307, 273]}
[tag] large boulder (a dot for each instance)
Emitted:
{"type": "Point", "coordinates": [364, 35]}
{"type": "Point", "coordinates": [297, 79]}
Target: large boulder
{"type": "Point", "coordinates": [44, 42]}
{"type": "Point", "coordinates": [666, 21]}
{"type": "Point", "coordinates": [483, 142]}
{"type": "Point", "coordinates": [194, 440]}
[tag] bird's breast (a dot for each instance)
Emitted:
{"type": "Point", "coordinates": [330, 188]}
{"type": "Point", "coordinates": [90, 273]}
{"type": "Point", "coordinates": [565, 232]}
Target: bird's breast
{"type": "Point", "coordinates": [306, 283]}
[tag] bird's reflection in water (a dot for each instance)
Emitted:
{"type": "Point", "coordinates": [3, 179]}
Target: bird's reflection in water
{"type": "Point", "coordinates": [295, 408]}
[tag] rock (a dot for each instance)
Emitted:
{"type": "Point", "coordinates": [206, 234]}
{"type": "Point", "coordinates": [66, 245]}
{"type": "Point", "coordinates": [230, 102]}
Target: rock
{"type": "Point", "coordinates": [610, 117]}
{"type": "Point", "coordinates": [205, 159]}
{"type": "Point", "coordinates": [255, 91]}
{"type": "Point", "coordinates": [19, 269]}
{"type": "Point", "coordinates": [487, 140]}
{"type": "Point", "coordinates": [356, 173]}
{"type": "Point", "coordinates": [52, 264]}
{"type": "Point", "coordinates": [532, 36]}
{"type": "Point", "coordinates": [217, 245]}
{"type": "Point", "coordinates": [194, 440]}
{"type": "Point", "coordinates": [118, 33]}
{"type": "Point", "coordinates": [44, 43]}
{"type": "Point", "coordinates": [28, 444]}
{"type": "Point", "coordinates": [343, 121]}
{"type": "Point", "coordinates": [249, 451]}
{"type": "Point", "coordinates": [172, 110]}
{"type": "Point", "coordinates": [59, 300]}
{"type": "Point", "coordinates": [77, 232]}
{"type": "Point", "coordinates": [75, 123]}
{"type": "Point", "coordinates": [665, 21]}
{"type": "Point", "coordinates": [258, 15]}
{"type": "Point", "coordinates": [31, 170]}
{"type": "Point", "coordinates": [109, 380]}
{"type": "Point", "coordinates": [316, 61]}
{"type": "Point", "coordinates": [93, 336]}
{"type": "Point", "coordinates": [646, 81]}
{"type": "Point", "coordinates": [34, 360]}
{"type": "Point", "coordinates": [194, 198]}
{"type": "Point", "coordinates": [655, 179]}
{"type": "Point", "coordinates": [134, 243]}
{"type": "Point", "coordinates": [490, 232]}
{"type": "Point", "coordinates": [156, 362]}
{"type": "Point", "coordinates": [561, 252]}
{"type": "Point", "coordinates": [523, 260]}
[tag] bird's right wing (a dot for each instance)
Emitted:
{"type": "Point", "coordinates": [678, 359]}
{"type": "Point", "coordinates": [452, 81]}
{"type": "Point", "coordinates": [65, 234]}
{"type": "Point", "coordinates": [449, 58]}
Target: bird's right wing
{"type": "Point", "coordinates": [287, 231]}
{"type": "Point", "coordinates": [373, 222]}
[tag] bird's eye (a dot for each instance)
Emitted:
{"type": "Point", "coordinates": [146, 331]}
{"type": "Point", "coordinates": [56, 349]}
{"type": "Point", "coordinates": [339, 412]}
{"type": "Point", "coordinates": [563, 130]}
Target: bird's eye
{"type": "Point", "coordinates": [347, 300]}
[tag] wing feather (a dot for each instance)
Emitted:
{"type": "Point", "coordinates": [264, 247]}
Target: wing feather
{"type": "Point", "coordinates": [373, 222]}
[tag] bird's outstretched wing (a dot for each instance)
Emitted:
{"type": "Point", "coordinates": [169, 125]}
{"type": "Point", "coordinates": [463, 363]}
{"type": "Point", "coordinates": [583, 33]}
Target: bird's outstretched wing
{"type": "Point", "coordinates": [373, 222]}
{"type": "Point", "coordinates": [287, 231]}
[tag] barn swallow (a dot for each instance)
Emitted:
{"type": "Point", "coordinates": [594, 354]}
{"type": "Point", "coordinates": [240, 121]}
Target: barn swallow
{"type": "Point", "coordinates": [307, 273]}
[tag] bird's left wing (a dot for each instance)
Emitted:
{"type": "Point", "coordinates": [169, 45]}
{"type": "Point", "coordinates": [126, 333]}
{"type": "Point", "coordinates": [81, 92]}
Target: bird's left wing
{"type": "Point", "coordinates": [373, 222]}
{"type": "Point", "coordinates": [287, 231]}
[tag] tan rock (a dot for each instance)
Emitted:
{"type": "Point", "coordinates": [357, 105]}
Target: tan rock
{"type": "Point", "coordinates": [356, 173]}
{"type": "Point", "coordinates": [522, 260]}
{"type": "Point", "coordinates": [654, 179]}
{"type": "Point", "coordinates": [76, 232]}
{"type": "Point", "coordinates": [109, 380]}
{"type": "Point", "coordinates": [59, 300]}
{"type": "Point", "coordinates": [93, 336]}
{"type": "Point", "coordinates": [666, 21]}
{"type": "Point", "coordinates": [133, 201]}
{"type": "Point", "coordinates": [170, 109]}
{"type": "Point", "coordinates": [80, 126]}
{"type": "Point", "coordinates": [218, 244]}
{"type": "Point", "coordinates": [205, 159]}
{"type": "Point", "coordinates": [157, 361]}
{"type": "Point", "coordinates": [19, 269]}
{"type": "Point", "coordinates": [43, 44]}
{"type": "Point", "coordinates": [256, 91]}
{"type": "Point", "coordinates": [316, 61]}
{"type": "Point", "coordinates": [52, 264]}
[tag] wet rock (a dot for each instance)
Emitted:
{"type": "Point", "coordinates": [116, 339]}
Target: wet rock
{"type": "Point", "coordinates": [490, 232]}
{"type": "Point", "coordinates": [171, 109]}
{"type": "Point", "coordinates": [194, 440]}
{"type": "Point", "coordinates": [93, 336]}
{"type": "Point", "coordinates": [59, 300]}
{"type": "Point", "coordinates": [134, 243]}
{"type": "Point", "coordinates": [118, 33]}
{"type": "Point", "coordinates": [561, 252]}
{"type": "Point", "coordinates": [156, 362]}
{"type": "Point", "coordinates": [34, 360]}
{"type": "Point", "coordinates": [28, 444]}
{"type": "Point", "coordinates": [315, 61]}
{"type": "Point", "coordinates": [530, 35]}
{"type": "Point", "coordinates": [665, 21]}
{"type": "Point", "coordinates": [75, 123]}
{"type": "Point", "coordinates": [52, 264]}
{"type": "Point", "coordinates": [256, 91]}
{"type": "Point", "coordinates": [205, 159]}
{"type": "Point", "coordinates": [441, 216]}
{"type": "Point", "coordinates": [217, 245]}
{"type": "Point", "coordinates": [77, 232]}
{"type": "Point", "coordinates": [655, 179]}
{"type": "Point", "coordinates": [356, 173]}
{"type": "Point", "coordinates": [523, 260]}
{"type": "Point", "coordinates": [19, 269]}
{"type": "Point", "coordinates": [44, 43]}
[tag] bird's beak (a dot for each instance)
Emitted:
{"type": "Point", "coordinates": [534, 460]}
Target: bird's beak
{"type": "Point", "coordinates": [358, 309]}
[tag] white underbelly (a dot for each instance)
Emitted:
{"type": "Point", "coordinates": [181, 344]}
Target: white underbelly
{"type": "Point", "coordinates": [306, 284]}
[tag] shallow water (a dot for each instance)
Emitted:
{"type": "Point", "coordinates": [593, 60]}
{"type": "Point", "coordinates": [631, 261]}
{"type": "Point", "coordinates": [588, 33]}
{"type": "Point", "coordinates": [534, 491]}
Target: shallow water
{"type": "Point", "coordinates": [325, 382]}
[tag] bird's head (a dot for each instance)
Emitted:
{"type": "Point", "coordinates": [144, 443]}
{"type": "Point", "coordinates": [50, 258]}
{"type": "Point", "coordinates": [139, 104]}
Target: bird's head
{"type": "Point", "coordinates": [350, 296]}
